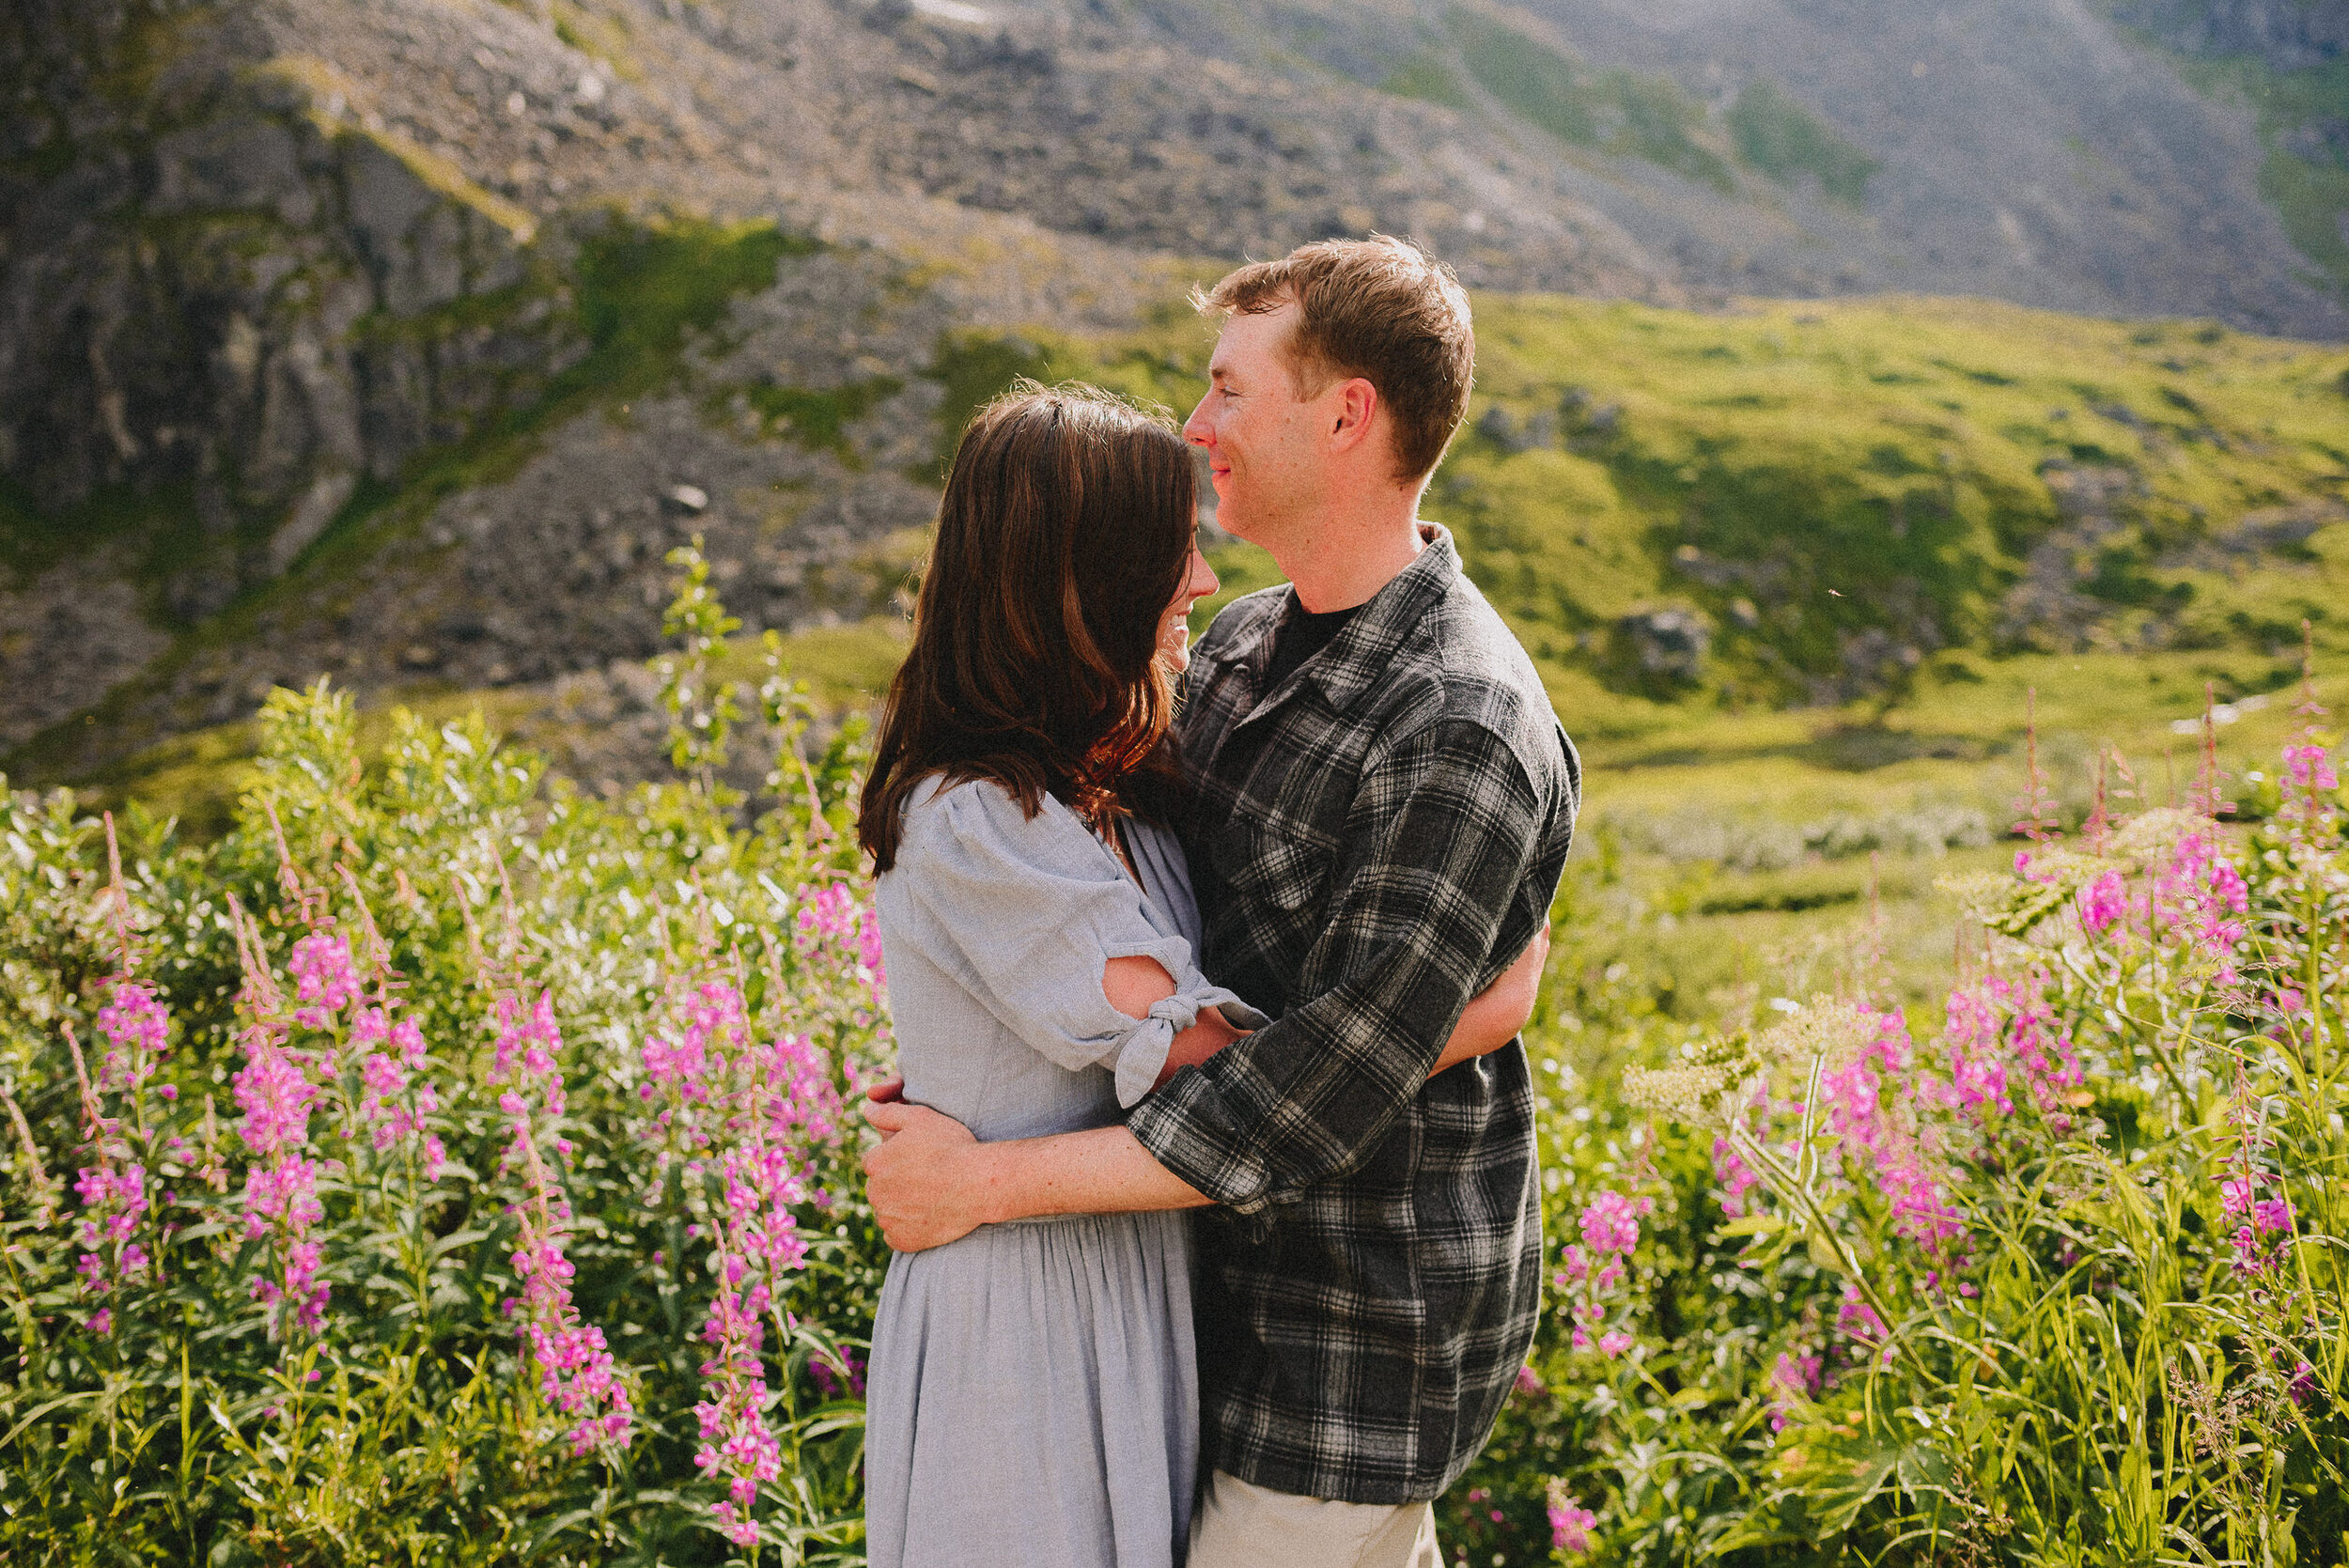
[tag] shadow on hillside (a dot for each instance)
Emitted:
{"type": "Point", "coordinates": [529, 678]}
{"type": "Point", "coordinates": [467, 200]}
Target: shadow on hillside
{"type": "Point", "coordinates": [1840, 748]}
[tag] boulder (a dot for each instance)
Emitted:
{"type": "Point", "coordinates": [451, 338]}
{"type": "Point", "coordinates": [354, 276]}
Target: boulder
{"type": "Point", "coordinates": [1668, 644]}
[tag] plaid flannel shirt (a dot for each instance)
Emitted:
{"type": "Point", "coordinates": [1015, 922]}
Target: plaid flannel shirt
{"type": "Point", "coordinates": [1371, 844]}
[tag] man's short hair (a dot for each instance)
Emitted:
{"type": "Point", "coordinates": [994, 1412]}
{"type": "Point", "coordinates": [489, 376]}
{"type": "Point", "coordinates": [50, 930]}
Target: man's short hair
{"type": "Point", "coordinates": [1379, 309]}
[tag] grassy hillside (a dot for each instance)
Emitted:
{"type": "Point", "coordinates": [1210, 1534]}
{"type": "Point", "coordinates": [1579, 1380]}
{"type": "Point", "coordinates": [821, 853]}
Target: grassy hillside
{"type": "Point", "coordinates": [1849, 496]}
{"type": "Point", "coordinates": [1821, 487]}
{"type": "Point", "coordinates": [1905, 516]}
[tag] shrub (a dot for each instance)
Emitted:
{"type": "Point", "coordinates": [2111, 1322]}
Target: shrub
{"type": "Point", "coordinates": [443, 1167]}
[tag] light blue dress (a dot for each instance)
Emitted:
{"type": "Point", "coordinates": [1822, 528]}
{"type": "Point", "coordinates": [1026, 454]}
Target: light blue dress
{"type": "Point", "coordinates": [1033, 1397]}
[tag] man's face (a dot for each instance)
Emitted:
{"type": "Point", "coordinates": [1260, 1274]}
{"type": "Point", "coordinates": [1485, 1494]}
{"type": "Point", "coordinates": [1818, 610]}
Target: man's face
{"type": "Point", "coordinates": [1267, 450]}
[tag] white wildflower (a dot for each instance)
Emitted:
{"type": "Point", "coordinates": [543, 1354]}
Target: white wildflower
{"type": "Point", "coordinates": [1826, 1028]}
{"type": "Point", "coordinates": [1687, 1090]}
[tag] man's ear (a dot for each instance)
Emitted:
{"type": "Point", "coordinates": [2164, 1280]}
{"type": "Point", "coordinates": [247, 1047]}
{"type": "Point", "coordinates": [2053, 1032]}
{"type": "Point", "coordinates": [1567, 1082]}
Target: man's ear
{"type": "Point", "coordinates": [1355, 416]}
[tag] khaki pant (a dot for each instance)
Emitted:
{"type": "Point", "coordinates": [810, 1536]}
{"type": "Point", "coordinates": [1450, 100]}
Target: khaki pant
{"type": "Point", "coordinates": [1240, 1524]}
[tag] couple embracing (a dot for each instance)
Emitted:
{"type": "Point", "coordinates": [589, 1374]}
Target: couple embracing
{"type": "Point", "coordinates": [1262, 954]}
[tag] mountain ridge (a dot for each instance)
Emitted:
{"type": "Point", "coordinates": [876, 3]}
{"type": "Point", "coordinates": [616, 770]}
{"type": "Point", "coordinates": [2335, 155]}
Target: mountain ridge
{"type": "Point", "coordinates": [394, 340]}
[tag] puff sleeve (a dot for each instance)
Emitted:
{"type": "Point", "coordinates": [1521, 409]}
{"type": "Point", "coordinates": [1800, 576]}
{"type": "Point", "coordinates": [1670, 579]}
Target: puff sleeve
{"type": "Point", "coordinates": [1027, 912]}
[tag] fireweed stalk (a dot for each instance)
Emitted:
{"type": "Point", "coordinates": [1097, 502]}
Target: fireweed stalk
{"type": "Point", "coordinates": [739, 1119]}
{"type": "Point", "coordinates": [275, 1091]}
{"type": "Point", "coordinates": [1594, 1275]}
{"type": "Point", "coordinates": [577, 1374]}
{"type": "Point", "coordinates": [397, 1098]}
{"type": "Point", "coordinates": [113, 1189]}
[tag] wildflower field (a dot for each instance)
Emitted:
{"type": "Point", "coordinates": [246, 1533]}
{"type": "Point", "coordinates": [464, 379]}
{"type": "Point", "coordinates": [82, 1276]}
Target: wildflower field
{"type": "Point", "coordinates": [443, 1167]}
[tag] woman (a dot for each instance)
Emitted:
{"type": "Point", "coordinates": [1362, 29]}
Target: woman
{"type": "Point", "coordinates": [1032, 1398]}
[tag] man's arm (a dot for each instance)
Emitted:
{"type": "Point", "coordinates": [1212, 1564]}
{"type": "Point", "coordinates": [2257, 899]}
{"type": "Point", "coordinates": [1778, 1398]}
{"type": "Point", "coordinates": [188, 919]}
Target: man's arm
{"type": "Point", "coordinates": [1450, 823]}
{"type": "Point", "coordinates": [1257, 1123]}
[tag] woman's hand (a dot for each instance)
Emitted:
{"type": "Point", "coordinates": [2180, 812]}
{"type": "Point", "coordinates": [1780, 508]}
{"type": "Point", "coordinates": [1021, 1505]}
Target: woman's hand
{"type": "Point", "coordinates": [1494, 1016]}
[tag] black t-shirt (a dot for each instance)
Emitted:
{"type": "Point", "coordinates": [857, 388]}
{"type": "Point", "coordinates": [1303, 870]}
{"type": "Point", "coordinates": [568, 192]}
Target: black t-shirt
{"type": "Point", "coordinates": [1301, 636]}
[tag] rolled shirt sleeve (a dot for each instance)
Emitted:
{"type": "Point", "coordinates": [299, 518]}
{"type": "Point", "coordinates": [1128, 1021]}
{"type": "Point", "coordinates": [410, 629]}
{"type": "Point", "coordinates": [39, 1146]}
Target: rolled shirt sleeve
{"type": "Point", "coordinates": [1027, 913]}
{"type": "Point", "coordinates": [1454, 826]}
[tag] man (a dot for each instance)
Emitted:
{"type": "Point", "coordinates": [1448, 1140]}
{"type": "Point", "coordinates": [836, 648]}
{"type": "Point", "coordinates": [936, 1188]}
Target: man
{"type": "Point", "coordinates": [1382, 805]}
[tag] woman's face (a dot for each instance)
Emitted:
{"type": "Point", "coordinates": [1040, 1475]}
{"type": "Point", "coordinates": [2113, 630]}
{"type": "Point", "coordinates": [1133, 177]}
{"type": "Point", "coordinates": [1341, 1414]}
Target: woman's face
{"type": "Point", "coordinates": [1199, 580]}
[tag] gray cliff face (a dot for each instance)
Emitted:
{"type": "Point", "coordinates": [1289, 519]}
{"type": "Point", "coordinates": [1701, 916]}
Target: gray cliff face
{"type": "Point", "coordinates": [227, 289]}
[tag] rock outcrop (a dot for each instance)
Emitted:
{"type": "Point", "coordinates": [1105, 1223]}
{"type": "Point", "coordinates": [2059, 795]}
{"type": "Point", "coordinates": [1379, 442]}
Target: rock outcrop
{"type": "Point", "coordinates": [234, 286]}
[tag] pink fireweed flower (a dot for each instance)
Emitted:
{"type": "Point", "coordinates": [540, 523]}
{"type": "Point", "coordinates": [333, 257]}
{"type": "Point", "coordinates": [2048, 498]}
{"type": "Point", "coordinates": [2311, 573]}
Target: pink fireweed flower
{"type": "Point", "coordinates": [113, 1201]}
{"type": "Point", "coordinates": [281, 1187]}
{"type": "Point", "coordinates": [832, 917]}
{"type": "Point", "coordinates": [1888, 1147]}
{"type": "Point", "coordinates": [737, 1446]}
{"type": "Point", "coordinates": [577, 1374]}
{"type": "Point", "coordinates": [276, 1096]}
{"type": "Point", "coordinates": [2203, 895]}
{"type": "Point", "coordinates": [1794, 1379]}
{"type": "Point", "coordinates": [2309, 767]}
{"type": "Point", "coordinates": [1530, 1385]}
{"type": "Point", "coordinates": [2002, 1036]}
{"type": "Point", "coordinates": [294, 1285]}
{"type": "Point", "coordinates": [698, 1059]}
{"type": "Point", "coordinates": [792, 1077]}
{"type": "Point", "coordinates": [395, 1098]}
{"type": "Point", "coordinates": [135, 1025]}
{"type": "Point", "coordinates": [850, 1377]}
{"type": "Point", "coordinates": [1856, 1318]}
{"type": "Point", "coordinates": [2240, 1196]}
{"type": "Point", "coordinates": [1734, 1176]}
{"type": "Point", "coordinates": [1570, 1523]}
{"type": "Point", "coordinates": [1858, 1322]}
{"type": "Point", "coordinates": [2102, 902]}
{"type": "Point", "coordinates": [1610, 1222]}
{"type": "Point", "coordinates": [2250, 1256]}
{"type": "Point", "coordinates": [323, 978]}
{"type": "Point", "coordinates": [2310, 814]}
{"type": "Point", "coordinates": [1594, 1268]}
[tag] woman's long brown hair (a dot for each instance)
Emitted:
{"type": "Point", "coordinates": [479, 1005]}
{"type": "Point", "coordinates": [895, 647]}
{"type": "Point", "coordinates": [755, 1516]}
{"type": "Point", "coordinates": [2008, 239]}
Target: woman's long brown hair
{"type": "Point", "coordinates": [1065, 534]}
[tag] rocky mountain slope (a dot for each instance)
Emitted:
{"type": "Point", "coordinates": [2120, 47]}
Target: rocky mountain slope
{"type": "Point", "coordinates": [399, 340]}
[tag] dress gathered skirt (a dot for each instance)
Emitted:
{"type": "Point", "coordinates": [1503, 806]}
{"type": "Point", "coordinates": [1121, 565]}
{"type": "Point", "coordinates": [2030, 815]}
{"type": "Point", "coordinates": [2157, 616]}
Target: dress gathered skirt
{"type": "Point", "coordinates": [1033, 1397]}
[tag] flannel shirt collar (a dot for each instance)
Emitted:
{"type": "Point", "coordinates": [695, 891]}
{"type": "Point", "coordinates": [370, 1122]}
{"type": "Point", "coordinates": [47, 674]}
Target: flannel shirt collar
{"type": "Point", "coordinates": [1359, 655]}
